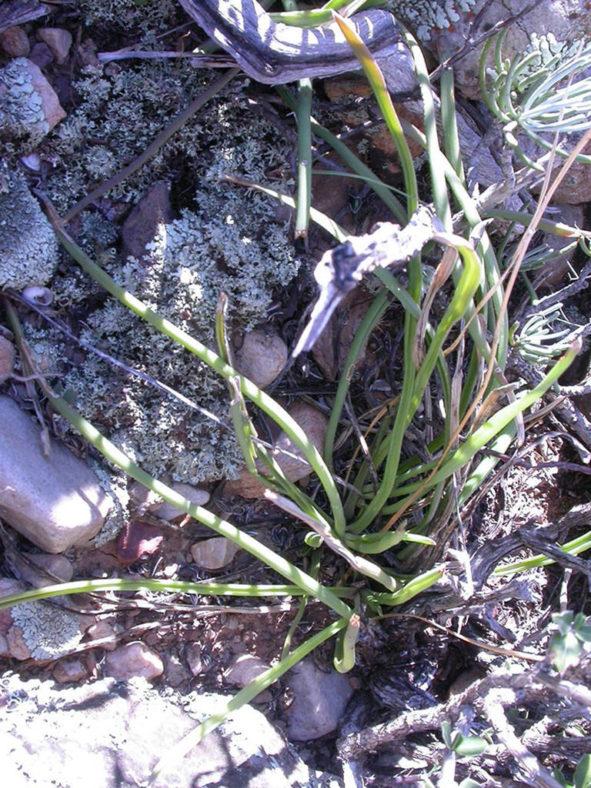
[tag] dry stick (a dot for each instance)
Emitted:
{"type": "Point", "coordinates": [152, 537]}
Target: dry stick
{"type": "Point", "coordinates": [153, 147]}
{"type": "Point", "coordinates": [501, 689]}
{"type": "Point", "coordinates": [404, 725]}
{"type": "Point", "coordinates": [493, 704]}
{"type": "Point", "coordinates": [505, 652]}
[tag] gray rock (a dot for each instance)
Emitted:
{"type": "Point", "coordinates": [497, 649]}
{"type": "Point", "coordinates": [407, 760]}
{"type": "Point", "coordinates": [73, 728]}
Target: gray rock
{"type": "Point", "coordinates": [54, 501]}
{"type": "Point", "coordinates": [318, 703]}
{"type": "Point", "coordinates": [111, 735]}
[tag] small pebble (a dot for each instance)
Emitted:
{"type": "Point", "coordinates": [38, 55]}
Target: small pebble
{"type": "Point", "coordinates": [103, 631]}
{"type": "Point", "coordinates": [7, 354]}
{"type": "Point", "coordinates": [14, 42]}
{"type": "Point", "coordinates": [167, 511]}
{"type": "Point", "coordinates": [133, 660]}
{"type": "Point", "coordinates": [67, 671]}
{"type": "Point", "coordinates": [41, 55]}
{"type": "Point", "coordinates": [262, 357]}
{"type": "Point", "coordinates": [58, 40]}
{"type": "Point", "coordinates": [193, 657]}
{"type": "Point", "coordinates": [175, 671]}
{"type": "Point", "coordinates": [245, 669]}
{"type": "Point", "coordinates": [32, 161]}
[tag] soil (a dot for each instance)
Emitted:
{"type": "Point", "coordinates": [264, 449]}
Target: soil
{"type": "Point", "coordinates": [403, 663]}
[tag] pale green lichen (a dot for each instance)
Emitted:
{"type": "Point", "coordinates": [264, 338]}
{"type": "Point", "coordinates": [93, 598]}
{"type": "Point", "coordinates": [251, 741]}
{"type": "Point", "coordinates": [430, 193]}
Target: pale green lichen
{"type": "Point", "coordinates": [226, 238]}
{"type": "Point", "coordinates": [231, 244]}
{"type": "Point", "coordinates": [123, 111]}
{"type": "Point", "coordinates": [425, 16]}
{"type": "Point", "coordinates": [130, 14]}
{"type": "Point", "coordinates": [28, 249]}
{"type": "Point", "coordinates": [21, 106]}
{"type": "Point", "coordinates": [48, 631]}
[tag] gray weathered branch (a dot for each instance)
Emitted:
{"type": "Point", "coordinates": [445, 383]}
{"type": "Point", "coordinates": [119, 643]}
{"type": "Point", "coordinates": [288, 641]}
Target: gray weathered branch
{"type": "Point", "coordinates": [276, 53]}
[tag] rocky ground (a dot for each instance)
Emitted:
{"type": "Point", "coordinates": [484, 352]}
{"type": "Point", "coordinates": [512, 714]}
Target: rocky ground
{"type": "Point", "coordinates": [97, 688]}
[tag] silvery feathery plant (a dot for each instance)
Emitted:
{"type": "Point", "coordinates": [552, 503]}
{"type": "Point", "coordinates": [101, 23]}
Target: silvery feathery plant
{"type": "Point", "coordinates": [543, 92]}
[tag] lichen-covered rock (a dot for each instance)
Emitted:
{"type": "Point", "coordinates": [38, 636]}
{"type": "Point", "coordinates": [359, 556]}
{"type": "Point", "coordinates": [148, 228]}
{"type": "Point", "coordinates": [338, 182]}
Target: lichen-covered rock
{"type": "Point", "coordinates": [46, 630]}
{"type": "Point", "coordinates": [425, 17]}
{"type": "Point", "coordinates": [28, 249]}
{"type": "Point", "coordinates": [54, 501]}
{"type": "Point", "coordinates": [29, 106]}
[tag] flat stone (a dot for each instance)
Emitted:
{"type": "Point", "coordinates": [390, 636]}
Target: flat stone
{"type": "Point", "coordinates": [55, 501]}
{"type": "Point", "coordinates": [214, 553]}
{"type": "Point", "coordinates": [134, 660]}
{"type": "Point", "coordinates": [318, 703]}
{"type": "Point", "coordinates": [106, 735]}
{"type": "Point", "coordinates": [58, 40]}
{"type": "Point", "coordinates": [43, 631]}
{"type": "Point", "coordinates": [47, 569]}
